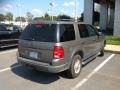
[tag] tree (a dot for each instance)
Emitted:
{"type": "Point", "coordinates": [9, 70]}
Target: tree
{"type": "Point", "coordinates": [29, 16]}
{"type": "Point", "coordinates": [18, 19]}
{"type": "Point", "coordinates": [46, 16]}
{"type": "Point", "coordinates": [2, 17]}
{"type": "Point", "coordinates": [9, 16]}
{"type": "Point", "coordinates": [81, 18]}
{"type": "Point", "coordinates": [37, 18]}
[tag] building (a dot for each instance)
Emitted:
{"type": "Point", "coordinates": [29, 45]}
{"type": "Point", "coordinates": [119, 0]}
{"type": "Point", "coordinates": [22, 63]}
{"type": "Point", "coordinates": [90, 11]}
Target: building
{"type": "Point", "coordinates": [109, 14]}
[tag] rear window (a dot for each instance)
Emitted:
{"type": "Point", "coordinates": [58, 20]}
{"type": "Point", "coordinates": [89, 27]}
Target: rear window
{"type": "Point", "coordinates": [40, 32]}
{"type": "Point", "coordinates": [83, 31]}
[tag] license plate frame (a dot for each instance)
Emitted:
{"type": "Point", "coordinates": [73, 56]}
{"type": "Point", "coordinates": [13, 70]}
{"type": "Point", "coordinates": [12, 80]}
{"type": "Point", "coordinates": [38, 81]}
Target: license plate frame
{"type": "Point", "coordinates": [33, 55]}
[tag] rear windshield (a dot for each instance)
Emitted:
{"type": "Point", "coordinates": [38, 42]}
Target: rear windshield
{"type": "Point", "coordinates": [40, 32]}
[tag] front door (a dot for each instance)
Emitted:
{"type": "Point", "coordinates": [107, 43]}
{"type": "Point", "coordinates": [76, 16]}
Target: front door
{"type": "Point", "coordinates": [94, 38]}
{"type": "Point", "coordinates": [87, 41]}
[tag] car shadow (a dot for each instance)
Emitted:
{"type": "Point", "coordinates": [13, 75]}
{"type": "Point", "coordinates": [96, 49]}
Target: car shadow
{"type": "Point", "coordinates": [8, 48]}
{"type": "Point", "coordinates": [36, 76]}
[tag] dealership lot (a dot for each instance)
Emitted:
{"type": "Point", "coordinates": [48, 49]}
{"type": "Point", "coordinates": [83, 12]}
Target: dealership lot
{"type": "Point", "coordinates": [103, 73]}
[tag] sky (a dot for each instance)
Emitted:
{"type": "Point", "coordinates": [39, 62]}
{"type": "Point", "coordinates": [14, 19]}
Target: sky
{"type": "Point", "coordinates": [40, 7]}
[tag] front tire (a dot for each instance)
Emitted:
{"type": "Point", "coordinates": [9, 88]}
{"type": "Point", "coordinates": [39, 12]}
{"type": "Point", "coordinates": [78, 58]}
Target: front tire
{"type": "Point", "coordinates": [75, 67]}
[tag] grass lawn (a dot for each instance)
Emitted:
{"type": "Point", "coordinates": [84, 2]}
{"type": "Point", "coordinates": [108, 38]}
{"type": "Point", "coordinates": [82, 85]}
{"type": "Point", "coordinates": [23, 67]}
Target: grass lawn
{"type": "Point", "coordinates": [113, 40]}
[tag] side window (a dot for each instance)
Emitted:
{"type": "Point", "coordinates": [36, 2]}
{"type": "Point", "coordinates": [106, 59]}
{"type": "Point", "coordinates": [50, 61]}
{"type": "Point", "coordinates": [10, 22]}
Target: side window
{"type": "Point", "coordinates": [91, 30]}
{"type": "Point", "coordinates": [83, 31]}
{"type": "Point", "coordinates": [67, 32]}
{"type": "Point", "coordinates": [2, 28]}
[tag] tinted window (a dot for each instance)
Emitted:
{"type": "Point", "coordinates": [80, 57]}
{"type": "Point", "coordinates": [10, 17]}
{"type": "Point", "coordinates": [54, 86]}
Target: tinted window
{"type": "Point", "coordinates": [40, 32]}
{"type": "Point", "coordinates": [16, 28]}
{"type": "Point", "coordinates": [91, 30]}
{"type": "Point", "coordinates": [83, 31]}
{"type": "Point", "coordinates": [2, 28]}
{"type": "Point", "coordinates": [67, 32]}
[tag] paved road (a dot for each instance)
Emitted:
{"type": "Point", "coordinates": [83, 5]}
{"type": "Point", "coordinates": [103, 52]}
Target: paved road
{"type": "Point", "coordinates": [103, 73]}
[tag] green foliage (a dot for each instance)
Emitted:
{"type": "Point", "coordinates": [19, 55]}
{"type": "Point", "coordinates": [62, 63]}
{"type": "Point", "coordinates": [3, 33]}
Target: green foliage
{"type": "Point", "coordinates": [37, 18]}
{"type": "Point", "coordinates": [22, 19]}
{"type": "Point", "coordinates": [113, 40]}
{"type": "Point", "coordinates": [9, 16]}
{"type": "Point", "coordinates": [64, 17]}
{"type": "Point", "coordinates": [47, 17]}
{"type": "Point", "coordinates": [80, 19]}
{"type": "Point", "coordinates": [2, 17]}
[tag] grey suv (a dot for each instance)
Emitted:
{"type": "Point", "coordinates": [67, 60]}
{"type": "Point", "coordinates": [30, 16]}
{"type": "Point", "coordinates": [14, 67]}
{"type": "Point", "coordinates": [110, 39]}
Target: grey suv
{"type": "Point", "coordinates": [58, 46]}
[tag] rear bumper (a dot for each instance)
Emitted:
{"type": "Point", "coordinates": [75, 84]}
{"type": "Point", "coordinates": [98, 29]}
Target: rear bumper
{"type": "Point", "coordinates": [42, 66]}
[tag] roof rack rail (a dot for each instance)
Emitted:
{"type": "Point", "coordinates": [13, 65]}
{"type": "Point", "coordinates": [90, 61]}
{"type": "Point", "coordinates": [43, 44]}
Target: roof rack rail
{"type": "Point", "coordinates": [66, 20]}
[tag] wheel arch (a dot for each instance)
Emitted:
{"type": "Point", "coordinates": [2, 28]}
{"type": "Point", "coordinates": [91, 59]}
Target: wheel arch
{"type": "Point", "coordinates": [78, 52]}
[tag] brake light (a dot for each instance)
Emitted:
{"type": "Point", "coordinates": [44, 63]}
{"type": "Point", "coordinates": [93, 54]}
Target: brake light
{"type": "Point", "coordinates": [58, 52]}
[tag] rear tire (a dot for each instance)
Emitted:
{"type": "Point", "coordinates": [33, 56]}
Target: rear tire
{"type": "Point", "coordinates": [101, 52]}
{"type": "Point", "coordinates": [75, 67]}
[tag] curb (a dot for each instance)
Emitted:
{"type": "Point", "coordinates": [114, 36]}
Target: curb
{"type": "Point", "coordinates": [112, 51]}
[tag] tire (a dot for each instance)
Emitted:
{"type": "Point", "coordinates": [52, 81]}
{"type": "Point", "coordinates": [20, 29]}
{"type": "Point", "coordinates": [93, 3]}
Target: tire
{"type": "Point", "coordinates": [75, 67]}
{"type": "Point", "coordinates": [101, 52]}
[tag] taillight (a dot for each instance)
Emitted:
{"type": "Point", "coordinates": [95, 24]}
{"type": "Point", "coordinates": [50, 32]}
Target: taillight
{"type": "Point", "coordinates": [58, 52]}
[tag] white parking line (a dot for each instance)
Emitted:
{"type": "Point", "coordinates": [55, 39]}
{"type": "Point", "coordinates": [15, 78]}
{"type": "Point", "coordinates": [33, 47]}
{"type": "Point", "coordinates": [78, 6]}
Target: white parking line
{"type": "Point", "coordinates": [92, 73]}
{"type": "Point", "coordinates": [6, 69]}
{"type": "Point", "coordinates": [9, 51]}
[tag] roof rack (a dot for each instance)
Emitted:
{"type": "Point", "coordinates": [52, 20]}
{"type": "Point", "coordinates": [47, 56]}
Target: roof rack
{"type": "Point", "coordinates": [65, 19]}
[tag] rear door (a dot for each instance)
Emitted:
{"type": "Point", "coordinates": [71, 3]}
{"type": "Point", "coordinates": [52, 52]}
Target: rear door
{"type": "Point", "coordinates": [95, 39]}
{"type": "Point", "coordinates": [67, 40]}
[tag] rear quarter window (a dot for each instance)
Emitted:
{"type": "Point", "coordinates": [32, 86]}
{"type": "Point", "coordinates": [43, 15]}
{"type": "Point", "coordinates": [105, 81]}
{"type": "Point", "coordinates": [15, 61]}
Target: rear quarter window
{"type": "Point", "coordinates": [67, 32]}
{"type": "Point", "coordinates": [83, 31]}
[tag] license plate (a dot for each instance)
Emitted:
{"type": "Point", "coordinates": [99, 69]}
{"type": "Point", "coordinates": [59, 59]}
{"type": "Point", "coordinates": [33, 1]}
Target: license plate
{"type": "Point", "coordinates": [33, 55]}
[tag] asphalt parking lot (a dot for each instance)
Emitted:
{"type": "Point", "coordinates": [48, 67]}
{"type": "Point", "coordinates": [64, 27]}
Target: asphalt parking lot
{"type": "Point", "coordinates": [103, 73]}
